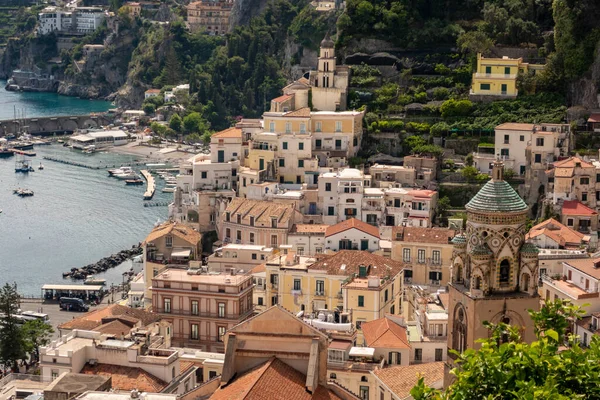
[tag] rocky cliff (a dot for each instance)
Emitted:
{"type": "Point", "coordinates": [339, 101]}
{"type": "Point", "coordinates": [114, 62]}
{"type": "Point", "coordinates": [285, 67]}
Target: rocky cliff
{"type": "Point", "coordinates": [584, 91]}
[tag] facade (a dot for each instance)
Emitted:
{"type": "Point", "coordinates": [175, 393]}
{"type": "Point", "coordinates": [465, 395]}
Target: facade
{"type": "Point", "coordinates": [201, 307]}
{"type": "Point", "coordinates": [428, 328]}
{"type": "Point", "coordinates": [497, 77]}
{"type": "Point", "coordinates": [388, 338]}
{"type": "Point", "coordinates": [80, 20]}
{"type": "Point", "coordinates": [260, 223]}
{"type": "Point", "coordinates": [409, 207]}
{"type": "Point", "coordinates": [494, 272]}
{"type": "Point", "coordinates": [148, 94]}
{"type": "Point", "coordinates": [239, 257]}
{"type": "Point", "coordinates": [580, 217]}
{"type": "Point", "coordinates": [574, 179]}
{"type": "Point", "coordinates": [352, 234]}
{"type": "Point", "coordinates": [586, 328]}
{"type": "Point", "coordinates": [425, 252]}
{"type": "Point", "coordinates": [307, 239]}
{"type": "Point", "coordinates": [340, 195]}
{"type": "Point", "coordinates": [210, 16]}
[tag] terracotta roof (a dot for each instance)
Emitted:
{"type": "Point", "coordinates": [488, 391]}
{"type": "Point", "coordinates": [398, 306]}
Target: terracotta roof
{"type": "Point", "coordinates": [444, 299]}
{"type": "Point", "coordinates": [402, 379]}
{"type": "Point", "coordinates": [127, 378]}
{"type": "Point", "coordinates": [586, 265]}
{"type": "Point", "coordinates": [301, 112]}
{"type": "Point", "coordinates": [283, 98]}
{"type": "Point", "coordinates": [229, 133]}
{"type": "Point", "coordinates": [258, 269]}
{"type": "Point", "coordinates": [514, 126]}
{"type": "Point", "coordinates": [262, 211]}
{"type": "Point", "coordinates": [422, 235]}
{"type": "Point", "coordinates": [149, 90]}
{"type": "Point", "coordinates": [595, 117]}
{"type": "Point", "coordinates": [574, 207]}
{"type": "Point", "coordinates": [385, 333]}
{"type": "Point", "coordinates": [309, 228]}
{"type": "Point", "coordinates": [350, 224]}
{"type": "Point", "coordinates": [115, 327]}
{"type": "Point", "coordinates": [93, 319]}
{"type": "Point", "coordinates": [176, 229]}
{"type": "Point", "coordinates": [346, 262]}
{"type": "Point", "coordinates": [421, 193]}
{"type": "Point", "coordinates": [561, 234]}
{"type": "Point", "coordinates": [272, 380]}
{"type": "Point", "coordinates": [586, 323]}
{"type": "Point", "coordinates": [572, 162]}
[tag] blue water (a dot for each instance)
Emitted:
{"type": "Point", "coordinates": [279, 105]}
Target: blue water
{"type": "Point", "coordinates": [32, 105]}
{"type": "Point", "coordinates": [76, 217]}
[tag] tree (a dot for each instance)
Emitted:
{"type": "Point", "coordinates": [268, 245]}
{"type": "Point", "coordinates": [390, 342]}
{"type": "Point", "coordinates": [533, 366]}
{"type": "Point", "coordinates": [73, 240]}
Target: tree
{"type": "Point", "coordinates": [470, 174]}
{"type": "Point", "coordinates": [511, 369]}
{"type": "Point", "coordinates": [11, 337]}
{"type": "Point", "coordinates": [175, 123]}
{"type": "Point", "coordinates": [441, 210]}
{"type": "Point", "coordinates": [469, 160]}
{"type": "Point", "coordinates": [157, 128]}
{"type": "Point", "coordinates": [149, 108]}
{"type": "Point", "coordinates": [474, 42]}
{"type": "Point", "coordinates": [36, 333]}
{"type": "Point", "coordinates": [194, 123]}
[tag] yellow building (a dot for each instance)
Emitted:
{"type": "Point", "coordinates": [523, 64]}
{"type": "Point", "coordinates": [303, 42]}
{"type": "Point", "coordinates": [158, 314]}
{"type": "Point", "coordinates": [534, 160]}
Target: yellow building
{"type": "Point", "coordinates": [498, 76]}
{"type": "Point", "coordinates": [302, 284]}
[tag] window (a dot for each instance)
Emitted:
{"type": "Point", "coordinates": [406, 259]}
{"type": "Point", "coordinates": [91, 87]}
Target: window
{"type": "Point", "coordinates": [318, 126]}
{"type": "Point", "coordinates": [194, 333]}
{"type": "Point", "coordinates": [488, 70]}
{"type": "Point", "coordinates": [332, 376]}
{"type": "Point", "coordinates": [394, 357]}
{"type": "Point", "coordinates": [212, 374]}
{"type": "Point", "coordinates": [298, 179]}
{"type": "Point", "coordinates": [194, 307]}
{"type": "Point", "coordinates": [300, 146]}
{"type": "Point", "coordinates": [504, 272]}
{"type": "Point", "coordinates": [251, 221]}
{"type": "Point", "coordinates": [484, 86]}
{"type": "Point", "coordinates": [406, 255]}
{"type": "Point", "coordinates": [338, 126]}
{"type": "Point", "coordinates": [539, 142]}
{"type": "Point", "coordinates": [254, 256]}
{"type": "Point", "coordinates": [584, 196]}
{"type": "Point", "coordinates": [328, 187]}
{"type": "Point", "coordinates": [169, 241]}
{"type": "Point", "coordinates": [297, 284]}
{"type": "Point", "coordinates": [521, 138]}
{"type": "Point", "coordinates": [221, 308]}
{"type": "Point", "coordinates": [221, 330]}
{"type": "Point", "coordinates": [251, 238]}
{"type": "Point", "coordinates": [385, 296]}
{"type": "Point", "coordinates": [239, 218]}
{"type": "Point", "coordinates": [320, 288]}
{"type": "Point", "coordinates": [569, 221]}
{"type": "Point", "coordinates": [284, 145]}
{"type": "Point", "coordinates": [167, 305]}
{"type": "Point", "coordinates": [260, 301]}
{"type": "Point", "coordinates": [436, 257]}
{"type": "Point", "coordinates": [506, 139]}
{"type": "Point", "coordinates": [282, 162]}
{"type": "Point", "coordinates": [227, 217]}
{"type": "Point", "coordinates": [507, 70]}
{"type": "Point", "coordinates": [239, 235]}
{"type": "Point", "coordinates": [504, 152]}
{"type": "Point", "coordinates": [271, 126]}
{"type": "Point", "coordinates": [361, 301]}
{"type": "Point", "coordinates": [204, 174]}
{"type": "Point", "coordinates": [439, 354]}
{"type": "Point", "coordinates": [274, 240]}
{"type": "Point", "coordinates": [584, 181]}
{"type": "Point", "coordinates": [54, 374]}
{"type": "Point", "coordinates": [537, 158]}
{"type": "Point", "coordinates": [421, 256]}
{"type": "Point", "coordinates": [300, 163]}
{"type": "Point", "coordinates": [364, 392]}
{"type": "Point", "coordinates": [418, 354]}
{"type": "Point", "coordinates": [330, 210]}
{"type": "Point", "coordinates": [288, 127]}
{"type": "Point", "coordinates": [318, 143]}
{"type": "Point", "coordinates": [302, 130]}
{"type": "Point", "coordinates": [300, 251]}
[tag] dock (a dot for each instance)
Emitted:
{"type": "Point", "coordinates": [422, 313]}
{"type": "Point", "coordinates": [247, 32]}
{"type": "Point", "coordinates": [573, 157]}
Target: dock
{"type": "Point", "coordinates": [23, 152]}
{"type": "Point", "coordinates": [150, 185]}
{"type": "Point", "coordinates": [76, 164]}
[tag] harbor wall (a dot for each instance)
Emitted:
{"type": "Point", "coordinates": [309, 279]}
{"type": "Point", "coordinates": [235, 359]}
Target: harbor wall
{"type": "Point", "coordinates": [45, 126]}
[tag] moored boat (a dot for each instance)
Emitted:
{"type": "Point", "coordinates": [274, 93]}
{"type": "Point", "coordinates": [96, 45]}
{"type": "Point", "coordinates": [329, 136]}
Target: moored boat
{"type": "Point", "coordinates": [90, 280]}
{"type": "Point", "coordinates": [120, 170]}
{"type": "Point", "coordinates": [134, 181]}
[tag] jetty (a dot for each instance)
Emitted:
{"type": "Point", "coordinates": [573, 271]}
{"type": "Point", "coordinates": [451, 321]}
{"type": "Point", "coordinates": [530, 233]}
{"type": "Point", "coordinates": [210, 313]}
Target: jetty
{"type": "Point", "coordinates": [23, 152]}
{"type": "Point", "coordinates": [76, 164]}
{"type": "Point", "coordinates": [157, 204]}
{"type": "Point", "coordinates": [150, 184]}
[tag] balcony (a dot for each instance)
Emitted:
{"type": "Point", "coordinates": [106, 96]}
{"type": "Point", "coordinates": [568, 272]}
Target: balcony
{"type": "Point", "coordinates": [319, 293]}
{"type": "Point", "coordinates": [570, 289]}
{"type": "Point", "coordinates": [200, 314]}
{"type": "Point", "coordinates": [495, 76]}
{"type": "Point", "coordinates": [371, 207]}
{"type": "Point", "coordinates": [354, 365]}
{"type": "Point", "coordinates": [296, 292]}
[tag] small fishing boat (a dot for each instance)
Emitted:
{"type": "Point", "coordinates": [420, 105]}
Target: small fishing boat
{"type": "Point", "coordinates": [90, 280]}
{"type": "Point", "coordinates": [134, 181]}
{"type": "Point", "coordinates": [168, 190]}
{"type": "Point", "coordinates": [23, 192]}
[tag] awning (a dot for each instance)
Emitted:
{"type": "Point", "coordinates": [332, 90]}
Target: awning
{"type": "Point", "coordinates": [181, 253]}
{"type": "Point", "coordinates": [362, 352]}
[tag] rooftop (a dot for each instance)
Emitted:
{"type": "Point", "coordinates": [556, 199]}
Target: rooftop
{"type": "Point", "coordinates": [352, 223]}
{"type": "Point", "coordinates": [385, 333]}
{"type": "Point", "coordinates": [575, 207]}
{"type": "Point", "coordinates": [570, 289]}
{"type": "Point", "coordinates": [423, 235]}
{"type": "Point", "coordinates": [309, 228]}
{"type": "Point", "coordinates": [126, 378]}
{"type": "Point", "coordinates": [514, 126]}
{"type": "Point", "coordinates": [559, 233]}
{"type": "Point", "coordinates": [94, 319]}
{"type": "Point", "coordinates": [589, 266]}
{"type": "Point", "coordinates": [400, 380]}
{"type": "Point", "coordinates": [262, 211]}
{"type": "Point", "coordinates": [77, 383]}
{"type": "Point", "coordinates": [181, 275]}
{"type": "Point", "coordinates": [301, 112]}
{"type": "Point", "coordinates": [347, 262]}
{"type": "Point", "coordinates": [497, 196]}
{"type": "Point", "coordinates": [179, 230]}
{"type": "Point", "coordinates": [229, 133]}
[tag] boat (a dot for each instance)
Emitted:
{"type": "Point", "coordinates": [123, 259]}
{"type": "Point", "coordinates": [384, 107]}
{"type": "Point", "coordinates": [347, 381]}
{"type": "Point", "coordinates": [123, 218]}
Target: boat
{"type": "Point", "coordinates": [22, 145]}
{"type": "Point", "coordinates": [112, 172]}
{"type": "Point", "coordinates": [127, 175]}
{"type": "Point", "coordinates": [90, 280]}
{"type": "Point", "coordinates": [22, 165]}
{"type": "Point", "coordinates": [23, 192]}
{"type": "Point", "coordinates": [134, 181]}
{"type": "Point", "coordinates": [169, 190]}
{"type": "Point", "coordinates": [5, 152]}
{"type": "Point", "coordinates": [41, 166]}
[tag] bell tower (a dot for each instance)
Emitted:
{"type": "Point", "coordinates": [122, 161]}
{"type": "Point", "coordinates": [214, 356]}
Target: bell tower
{"type": "Point", "coordinates": [326, 65]}
{"type": "Point", "coordinates": [493, 272]}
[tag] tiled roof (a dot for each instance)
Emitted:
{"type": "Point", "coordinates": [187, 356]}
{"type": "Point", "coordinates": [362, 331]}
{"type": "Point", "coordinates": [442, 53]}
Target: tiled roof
{"type": "Point", "coordinates": [150, 90]}
{"type": "Point", "coordinates": [595, 117]}
{"type": "Point", "coordinates": [127, 378]}
{"type": "Point", "coordinates": [496, 197]}
{"type": "Point", "coordinates": [572, 162]}
{"type": "Point", "coordinates": [385, 333]}
{"type": "Point", "coordinates": [402, 379]}
{"type": "Point", "coordinates": [262, 211]}
{"type": "Point", "coordinates": [115, 327]}
{"type": "Point", "coordinates": [176, 229]}
{"type": "Point", "coordinates": [258, 269]}
{"type": "Point", "coordinates": [185, 365]}
{"type": "Point", "coordinates": [586, 265]}
{"type": "Point", "coordinates": [421, 193]}
{"type": "Point", "coordinates": [422, 235]}
{"type": "Point", "coordinates": [93, 319]}
{"type": "Point", "coordinates": [561, 234]}
{"type": "Point", "coordinates": [346, 262]}
{"type": "Point", "coordinates": [309, 228]}
{"type": "Point", "coordinates": [301, 112]}
{"type": "Point", "coordinates": [352, 223]}
{"type": "Point", "coordinates": [459, 239]}
{"type": "Point", "coordinates": [272, 380]}
{"type": "Point", "coordinates": [575, 207]}
{"type": "Point", "coordinates": [514, 126]}
{"type": "Point", "coordinates": [229, 133]}
{"type": "Point", "coordinates": [586, 323]}
{"type": "Point", "coordinates": [283, 98]}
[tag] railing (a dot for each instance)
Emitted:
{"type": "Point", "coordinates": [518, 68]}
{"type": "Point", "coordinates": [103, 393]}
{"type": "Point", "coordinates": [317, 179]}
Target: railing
{"type": "Point", "coordinates": [319, 293]}
{"type": "Point", "coordinates": [296, 292]}
{"type": "Point", "coordinates": [369, 207]}
{"type": "Point", "coordinates": [200, 314]}
{"type": "Point", "coordinates": [354, 365]}
{"type": "Point", "coordinates": [23, 377]}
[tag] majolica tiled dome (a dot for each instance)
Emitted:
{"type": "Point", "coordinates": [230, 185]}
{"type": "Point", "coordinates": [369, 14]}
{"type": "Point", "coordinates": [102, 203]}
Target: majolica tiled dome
{"type": "Point", "coordinates": [459, 239]}
{"type": "Point", "coordinates": [481, 250]}
{"type": "Point", "coordinates": [496, 196]}
{"type": "Point", "coordinates": [529, 248]}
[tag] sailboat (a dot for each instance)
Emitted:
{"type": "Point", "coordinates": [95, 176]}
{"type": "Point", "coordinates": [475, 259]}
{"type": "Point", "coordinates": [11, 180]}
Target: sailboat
{"type": "Point", "coordinates": [41, 166]}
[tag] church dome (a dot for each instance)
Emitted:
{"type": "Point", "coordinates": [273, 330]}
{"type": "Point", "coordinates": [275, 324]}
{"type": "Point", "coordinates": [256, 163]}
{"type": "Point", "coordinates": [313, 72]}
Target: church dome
{"type": "Point", "coordinates": [497, 196]}
{"type": "Point", "coordinates": [327, 42]}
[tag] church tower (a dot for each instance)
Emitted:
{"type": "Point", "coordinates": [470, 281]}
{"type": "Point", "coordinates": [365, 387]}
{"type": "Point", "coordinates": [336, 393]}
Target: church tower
{"type": "Point", "coordinates": [326, 65]}
{"type": "Point", "coordinates": [494, 273]}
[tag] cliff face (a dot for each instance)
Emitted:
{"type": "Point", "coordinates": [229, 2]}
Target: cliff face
{"type": "Point", "coordinates": [244, 10]}
{"type": "Point", "coordinates": [584, 91]}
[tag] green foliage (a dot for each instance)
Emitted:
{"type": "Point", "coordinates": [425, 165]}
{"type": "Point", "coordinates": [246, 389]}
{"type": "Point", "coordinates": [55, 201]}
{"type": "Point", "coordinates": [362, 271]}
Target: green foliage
{"type": "Point", "coordinates": [149, 108]}
{"type": "Point", "coordinates": [507, 368]}
{"type": "Point", "coordinates": [387, 125]}
{"type": "Point", "coordinates": [309, 27]}
{"type": "Point", "coordinates": [175, 123]}
{"type": "Point", "coordinates": [157, 128]}
{"type": "Point", "coordinates": [442, 207]}
{"type": "Point", "coordinates": [36, 333]}
{"type": "Point", "coordinates": [439, 129]}
{"type": "Point", "coordinates": [469, 160]}
{"type": "Point", "coordinates": [11, 336]}
{"type": "Point", "coordinates": [194, 123]}
{"type": "Point", "coordinates": [474, 42]}
{"type": "Point", "coordinates": [456, 108]}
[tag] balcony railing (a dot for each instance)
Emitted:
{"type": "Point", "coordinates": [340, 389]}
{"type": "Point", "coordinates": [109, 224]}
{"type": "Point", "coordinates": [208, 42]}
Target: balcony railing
{"type": "Point", "coordinates": [296, 292]}
{"type": "Point", "coordinates": [354, 365]}
{"type": "Point", "coordinates": [200, 314]}
{"type": "Point", "coordinates": [319, 293]}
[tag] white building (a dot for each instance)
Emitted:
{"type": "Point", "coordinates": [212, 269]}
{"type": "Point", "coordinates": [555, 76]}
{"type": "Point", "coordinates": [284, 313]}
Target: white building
{"type": "Point", "coordinates": [240, 257]}
{"type": "Point", "coordinates": [340, 195]}
{"type": "Point", "coordinates": [81, 20]}
{"type": "Point", "coordinates": [409, 207]}
{"type": "Point", "coordinates": [99, 139]}
{"type": "Point", "coordinates": [579, 284]}
{"type": "Point", "coordinates": [307, 239]}
{"type": "Point", "coordinates": [352, 234]}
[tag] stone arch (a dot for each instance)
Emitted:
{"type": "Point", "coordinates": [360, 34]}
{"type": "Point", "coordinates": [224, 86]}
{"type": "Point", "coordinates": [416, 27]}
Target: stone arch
{"type": "Point", "coordinates": [50, 125]}
{"type": "Point", "coordinates": [460, 328]}
{"type": "Point", "coordinates": [192, 216]}
{"type": "Point", "coordinates": [515, 318]}
{"type": "Point", "coordinates": [478, 279]}
{"type": "Point", "coordinates": [69, 125]}
{"type": "Point", "coordinates": [504, 271]}
{"type": "Point", "coordinates": [89, 123]}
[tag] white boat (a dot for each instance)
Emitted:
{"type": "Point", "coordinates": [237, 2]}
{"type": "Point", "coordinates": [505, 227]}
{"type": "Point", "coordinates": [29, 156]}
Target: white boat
{"type": "Point", "coordinates": [90, 280]}
{"type": "Point", "coordinates": [127, 175]}
{"type": "Point", "coordinates": [169, 190]}
{"type": "Point", "coordinates": [121, 170]}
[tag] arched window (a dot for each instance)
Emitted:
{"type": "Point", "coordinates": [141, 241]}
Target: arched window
{"type": "Point", "coordinates": [478, 283]}
{"type": "Point", "coordinates": [525, 282]}
{"type": "Point", "coordinates": [458, 274]}
{"type": "Point", "coordinates": [332, 376]}
{"type": "Point", "coordinates": [505, 337]}
{"type": "Point", "coordinates": [504, 271]}
{"type": "Point", "coordinates": [459, 335]}
{"type": "Point", "coordinates": [364, 379]}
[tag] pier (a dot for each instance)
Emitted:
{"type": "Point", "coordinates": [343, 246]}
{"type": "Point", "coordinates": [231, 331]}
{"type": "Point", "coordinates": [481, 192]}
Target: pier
{"type": "Point", "coordinates": [44, 126]}
{"type": "Point", "coordinates": [23, 152]}
{"type": "Point", "coordinates": [76, 164]}
{"type": "Point", "coordinates": [150, 185]}
{"type": "Point", "coordinates": [157, 204]}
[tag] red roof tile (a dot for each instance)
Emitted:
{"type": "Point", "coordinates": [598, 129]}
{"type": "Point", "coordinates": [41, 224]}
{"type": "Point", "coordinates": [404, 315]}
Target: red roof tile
{"type": "Point", "coordinates": [283, 98]}
{"type": "Point", "coordinates": [93, 319]}
{"type": "Point", "coordinates": [594, 118]}
{"type": "Point", "coordinates": [127, 378]}
{"type": "Point", "coordinates": [229, 133]}
{"type": "Point", "coordinates": [272, 380]}
{"type": "Point", "coordinates": [561, 234]}
{"type": "Point", "coordinates": [385, 333]}
{"type": "Point", "coordinates": [347, 262]}
{"type": "Point", "coordinates": [400, 380]}
{"type": "Point", "coordinates": [574, 207]}
{"type": "Point", "coordinates": [352, 223]}
{"type": "Point", "coordinates": [422, 235]}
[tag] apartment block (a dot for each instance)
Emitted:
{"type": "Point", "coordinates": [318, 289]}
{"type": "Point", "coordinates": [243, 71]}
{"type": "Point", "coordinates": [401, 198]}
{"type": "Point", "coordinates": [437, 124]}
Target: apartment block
{"type": "Point", "coordinates": [352, 234]}
{"type": "Point", "coordinates": [210, 16]}
{"type": "Point", "coordinates": [409, 207]}
{"type": "Point", "coordinates": [340, 195]}
{"type": "Point", "coordinates": [201, 307]}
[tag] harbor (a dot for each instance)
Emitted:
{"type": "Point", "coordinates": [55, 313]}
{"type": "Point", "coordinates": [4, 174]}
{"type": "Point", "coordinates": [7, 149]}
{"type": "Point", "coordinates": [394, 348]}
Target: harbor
{"type": "Point", "coordinates": [150, 187]}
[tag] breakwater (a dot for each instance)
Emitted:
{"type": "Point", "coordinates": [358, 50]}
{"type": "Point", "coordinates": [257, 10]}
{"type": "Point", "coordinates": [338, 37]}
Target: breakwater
{"type": "Point", "coordinates": [83, 165]}
{"type": "Point", "coordinates": [157, 204]}
{"type": "Point", "coordinates": [104, 264]}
